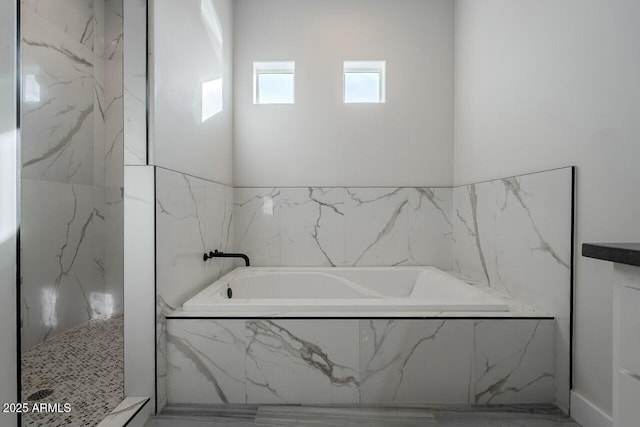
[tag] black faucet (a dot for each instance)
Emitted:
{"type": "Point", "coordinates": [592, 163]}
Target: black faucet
{"type": "Point", "coordinates": [218, 254]}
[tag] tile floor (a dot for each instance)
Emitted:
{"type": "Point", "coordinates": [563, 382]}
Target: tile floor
{"type": "Point", "coordinates": [83, 367]}
{"type": "Point", "coordinates": [290, 416]}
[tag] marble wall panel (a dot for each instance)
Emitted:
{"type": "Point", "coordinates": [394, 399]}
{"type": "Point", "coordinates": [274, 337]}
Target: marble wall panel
{"type": "Point", "coordinates": [296, 361]}
{"type": "Point", "coordinates": [135, 81]}
{"type": "Point", "coordinates": [57, 103]}
{"type": "Point", "coordinates": [416, 361]}
{"type": "Point", "coordinates": [70, 76]}
{"type": "Point", "coordinates": [59, 282]}
{"type": "Point", "coordinates": [514, 362]}
{"type": "Point", "coordinates": [515, 235]}
{"type": "Point", "coordinates": [256, 222]}
{"type": "Point", "coordinates": [344, 226]}
{"type": "Point", "coordinates": [206, 361]}
{"type": "Point", "coordinates": [193, 216]}
{"type": "Point", "coordinates": [367, 362]}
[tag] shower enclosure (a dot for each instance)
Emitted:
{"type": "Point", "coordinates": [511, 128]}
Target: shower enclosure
{"type": "Point", "coordinates": [71, 303]}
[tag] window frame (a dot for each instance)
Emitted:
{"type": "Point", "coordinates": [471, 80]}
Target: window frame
{"type": "Point", "coordinates": [365, 67]}
{"type": "Point", "coordinates": [274, 68]}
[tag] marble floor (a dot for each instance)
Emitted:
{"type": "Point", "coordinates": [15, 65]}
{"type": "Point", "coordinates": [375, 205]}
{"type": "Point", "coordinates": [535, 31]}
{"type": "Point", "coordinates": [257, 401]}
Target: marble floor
{"type": "Point", "coordinates": [290, 416]}
{"type": "Point", "coordinates": [83, 367]}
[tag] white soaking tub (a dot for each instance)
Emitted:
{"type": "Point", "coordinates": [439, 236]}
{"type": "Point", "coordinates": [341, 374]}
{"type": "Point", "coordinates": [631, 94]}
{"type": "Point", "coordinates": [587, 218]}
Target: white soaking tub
{"type": "Point", "coordinates": [349, 289]}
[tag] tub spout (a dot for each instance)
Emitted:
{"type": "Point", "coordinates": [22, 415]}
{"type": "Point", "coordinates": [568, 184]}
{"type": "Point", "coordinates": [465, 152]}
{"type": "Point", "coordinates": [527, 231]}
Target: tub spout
{"type": "Point", "coordinates": [218, 254]}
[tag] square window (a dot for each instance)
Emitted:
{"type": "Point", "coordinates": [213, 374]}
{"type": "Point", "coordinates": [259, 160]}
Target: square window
{"type": "Point", "coordinates": [273, 82]}
{"type": "Point", "coordinates": [364, 82]}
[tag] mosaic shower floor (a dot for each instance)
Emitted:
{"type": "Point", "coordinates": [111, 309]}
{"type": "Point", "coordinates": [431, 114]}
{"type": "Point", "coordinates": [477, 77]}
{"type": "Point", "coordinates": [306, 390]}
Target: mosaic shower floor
{"type": "Point", "coordinates": [82, 367]}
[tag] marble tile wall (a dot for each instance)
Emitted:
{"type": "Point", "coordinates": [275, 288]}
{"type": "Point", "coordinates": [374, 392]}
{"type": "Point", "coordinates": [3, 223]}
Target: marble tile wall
{"type": "Point", "coordinates": [514, 235]}
{"type": "Point", "coordinates": [511, 234]}
{"type": "Point", "coordinates": [72, 164]}
{"type": "Point", "coordinates": [393, 362]}
{"type": "Point", "coordinates": [193, 216]}
{"type": "Point", "coordinates": [135, 82]}
{"type": "Point", "coordinates": [344, 226]}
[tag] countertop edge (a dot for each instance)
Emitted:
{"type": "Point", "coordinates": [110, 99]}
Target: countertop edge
{"type": "Point", "coordinates": [621, 253]}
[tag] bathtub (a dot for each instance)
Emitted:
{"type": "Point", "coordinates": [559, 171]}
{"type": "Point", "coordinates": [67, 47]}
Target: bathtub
{"type": "Point", "coordinates": [350, 289]}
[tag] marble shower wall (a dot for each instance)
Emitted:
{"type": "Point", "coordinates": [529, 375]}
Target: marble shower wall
{"type": "Point", "coordinates": [392, 362]}
{"type": "Point", "coordinates": [193, 216]}
{"type": "Point", "coordinates": [515, 235]}
{"type": "Point", "coordinates": [344, 226]}
{"type": "Point", "coordinates": [72, 168]}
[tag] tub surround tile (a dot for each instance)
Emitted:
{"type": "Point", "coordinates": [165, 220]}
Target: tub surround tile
{"type": "Point", "coordinates": [514, 235]}
{"type": "Point", "coordinates": [514, 362]}
{"type": "Point", "coordinates": [377, 226]}
{"type": "Point", "coordinates": [206, 362]}
{"type": "Point", "coordinates": [180, 242]}
{"type": "Point", "coordinates": [218, 227]}
{"type": "Point", "coordinates": [312, 227]}
{"type": "Point", "coordinates": [256, 216]}
{"type": "Point", "coordinates": [367, 362]}
{"type": "Point", "coordinates": [430, 226]}
{"type": "Point", "coordinates": [402, 361]}
{"type": "Point", "coordinates": [344, 226]}
{"type": "Point", "coordinates": [496, 235]}
{"type": "Point", "coordinates": [313, 353]}
{"type": "Point", "coordinates": [193, 216]}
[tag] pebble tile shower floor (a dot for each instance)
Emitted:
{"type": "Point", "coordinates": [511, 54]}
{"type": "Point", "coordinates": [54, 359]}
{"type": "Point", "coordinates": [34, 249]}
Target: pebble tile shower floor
{"type": "Point", "coordinates": [83, 367]}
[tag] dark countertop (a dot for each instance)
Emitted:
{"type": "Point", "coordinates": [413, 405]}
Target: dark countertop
{"type": "Point", "coordinates": [622, 253]}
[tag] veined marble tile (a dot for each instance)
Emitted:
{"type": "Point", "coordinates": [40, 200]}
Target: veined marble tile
{"type": "Point", "coordinates": [416, 362]}
{"type": "Point", "coordinates": [256, 217]}
{"type": "Point", "coordinates": [135, 81]}
{"type": "Point", "coordinates": [99, 233]}
{"type": "Point", "coordinates": [114, 247]}
{"type": "Point", "coordinates": [514, 234]}
{"type": "Point", "coordinates": [218, 227]}
{"type": "Point", "coordinates": [113, 105]}
{"type": "Point", "coordinates": [514, 361]}
{"type": "Point", "coordinates": [180, 238]}
{"type": "Point", "coordinates": [139, 268]}
{"type": "Point", "coordinates": [193, 216]}
{"type": "Point", "coordinates": [58, 104]}
{"type": "Point", "coordinates": [74, 18]}
{"type": "Point", "coordinates": [312, 227]}
{"type": "Point", "coordinates": [344, 226]}
{"type": "Point", "coordinates": [376, 226]}
{"type": "Point", "coordinates": [61, 287]}
{"type": "Point", "coordinates": [292, 361]}
{"type": "Point", "coordinates": [206, 361]}
{"type": "Point", "coordinates": [180, 245]}
{"type": "Point", "coordinates": [430, 227]}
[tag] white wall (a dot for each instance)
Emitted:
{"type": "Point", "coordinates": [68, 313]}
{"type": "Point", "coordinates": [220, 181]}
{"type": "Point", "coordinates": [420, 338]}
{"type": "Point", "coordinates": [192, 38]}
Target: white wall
{"type": "Point", "coordinates": [192, 44]}
{"type": "Point", "coordinates": [541, 84]}
{"type": "Point", "coordinates": [320, 141]}
{"type": "Point", "coordinates": [8, 207]}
